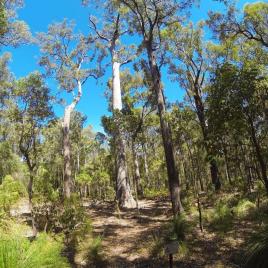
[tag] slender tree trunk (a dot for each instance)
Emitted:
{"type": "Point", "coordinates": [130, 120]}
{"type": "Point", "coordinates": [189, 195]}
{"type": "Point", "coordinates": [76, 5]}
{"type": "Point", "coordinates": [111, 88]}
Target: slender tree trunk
{"type": "Point", "coordinates": [30, 184]}
{"type": "Point", "coordinates": [67, 170]}
{"type": "Point", "coordinates": [31, 167]}
{"type": "Point", "coordinates": [67, 153]}
{"type": "Point", "coordinates": [192, 172]}
{"type": "Point", "coordinates": [30, 195]}
{"type": "Point", "coordinates": [78, 162]}
{"type": "Point", "coordinates": [137, 172]}
{"type": "Point", "coordinates": [200, 177]}
{"type": "Point", "coordinates": [227, 167]}
{"type": "Point", "coordinates": [186, 176]}
{"type": "Point", "coordinates": [259, 156]}
{"type": "Point", "coordinates": [201, 116]}
{"type": "Point", "coordinates": [146, 169]}
{"type": "Point", "coordinates": [199, 171]}
{"type": "Point", "coordinates": [215, 174]}
{"type": "Point", "coordinates": [173, 178]}
{"type": "Point", "coordinates": [123, 192]}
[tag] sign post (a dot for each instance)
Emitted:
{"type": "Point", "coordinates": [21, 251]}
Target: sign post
{"type": "Point", "coordinates": [171, 248]}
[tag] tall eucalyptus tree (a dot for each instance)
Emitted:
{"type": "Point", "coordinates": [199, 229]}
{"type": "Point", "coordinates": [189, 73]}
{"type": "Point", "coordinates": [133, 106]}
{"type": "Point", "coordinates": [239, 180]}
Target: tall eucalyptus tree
{"type": "Point", "coordinates": [112, 29]}
{"type": "Point", "coordinates": [149, 17]}
{"type": "Point", "coordinates": [190, 63]}
{"type": "Point", "coordinates": [69, 57]}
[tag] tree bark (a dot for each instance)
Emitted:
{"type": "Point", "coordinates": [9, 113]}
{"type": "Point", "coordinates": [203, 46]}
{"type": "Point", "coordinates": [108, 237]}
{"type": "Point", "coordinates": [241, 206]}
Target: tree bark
{"type": "Point", "coordinates": [227, 167]}
{"type": "Point", "coordinates": [173, 178]}
{"type": "Point", "coordinates": [67, 170]}
{"type": "Point", "coordinates": [117, 97]}
{"type": "Point", "coordinates": [146, 169]}
{"type": "Point", "coordinates": [123, 191]}
{"type": "Point", "coordinates": [67, 153]}
{"type": "Point", "coordinates": [215, 174]}
{"type": "Point", "coordinates": [259, 155]}
{"type": "Point", "coordinates": [31, 167]}
{"type": "Point", "coordinates": [137, 172]}
{"type": "Point", "coordinates": [201, 117]}
{"type": "Point", "coordinates": [30, 195]}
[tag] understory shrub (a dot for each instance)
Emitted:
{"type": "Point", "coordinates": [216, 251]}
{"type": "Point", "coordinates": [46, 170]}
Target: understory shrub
{"type": "Point", "coordinates": [175, 230]}
{"type": "Point", "coordinates": [221, 217]}
{"type": "Point", "coordinates": [95, 251]}
{"type": "Point", "coordinates": [243, 208]}
{"type": "Point", "coordinates": [10, 192]}
{"type": "Point", "coordinates": [257, 250]}
{"type": "Point", "coordinates": [68, 217]}
{"type": "Point", "coordinates": [179, 227]}
{"type": "Point", "coordinates": [154, 193]}
{"type": "Point", "coordinates": [17, 251]}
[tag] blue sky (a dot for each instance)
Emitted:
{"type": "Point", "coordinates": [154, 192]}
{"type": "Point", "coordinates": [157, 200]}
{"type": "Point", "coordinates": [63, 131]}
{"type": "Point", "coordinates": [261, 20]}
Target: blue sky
{"type": "Point", "coordinates": [39, 14]}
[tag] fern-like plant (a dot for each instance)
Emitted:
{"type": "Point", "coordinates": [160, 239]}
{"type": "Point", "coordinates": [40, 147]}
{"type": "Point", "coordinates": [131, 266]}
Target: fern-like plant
{"type": "Point", "coordinates": [257, 251]}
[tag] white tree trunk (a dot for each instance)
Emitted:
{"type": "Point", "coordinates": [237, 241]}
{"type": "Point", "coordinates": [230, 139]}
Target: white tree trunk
{"type": "Point", "coordinates": [67, 175]}
{"type": "Point", "coordinates": [117, 98]}
{"type": "Point", "coordinates": [123, 192]}
{"type": "Point", "coordinates": [67, 152]}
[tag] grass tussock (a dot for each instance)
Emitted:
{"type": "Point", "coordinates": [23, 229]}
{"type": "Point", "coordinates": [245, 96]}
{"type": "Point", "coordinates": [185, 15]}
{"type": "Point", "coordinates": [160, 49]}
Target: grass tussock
{"type": "Point", "coordinates": [219, 218]}
{"type": "Point", "coordinates": [17, 251]}
{"type": "Point", "coordinates": [257, 250]}
{"type": "Point", "coordinates": [175, 230]}
{"type": "Point", "coordinates": [244, 208]}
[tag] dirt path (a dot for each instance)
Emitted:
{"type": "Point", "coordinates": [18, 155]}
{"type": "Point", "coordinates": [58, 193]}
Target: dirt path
{"type": "Point", "coordinates": [126, 237]}
{"type": "Point", "coordinates": [124, 234]}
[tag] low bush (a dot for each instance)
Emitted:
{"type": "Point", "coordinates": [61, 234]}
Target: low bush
{"type": "Point", "coordinates": [257, 250]}
{"type": "Point", "coordinates": [95, 253]}
{"type": "Point", "coordinates": [221, 217]}
{"type": "Point", "coordinates": [179, 227]}
{"type": "Point", "coordinates": [175, 230]}
{"type": "Point", "coordinates": [153, 193]}
{"type": "Point", "coordinates": [243, 208]}
{"type": "Point", "coordinates": [10, 192]}
{"type": "Point", "coordinates": [17, 251]}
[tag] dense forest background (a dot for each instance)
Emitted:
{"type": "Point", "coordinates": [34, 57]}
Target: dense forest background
{"type": "Point", "coordinates": [194, 171]}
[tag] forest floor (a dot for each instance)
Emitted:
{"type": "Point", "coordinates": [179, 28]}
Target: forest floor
{"type": "Point", "coordinates": [132, 238]}
{"type": "Point", "coordinates": [125, 233]}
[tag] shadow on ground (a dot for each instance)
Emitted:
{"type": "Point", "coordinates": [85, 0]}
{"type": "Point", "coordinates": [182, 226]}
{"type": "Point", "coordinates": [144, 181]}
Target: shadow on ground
{"type": "Point", "coordinates": [126, 237]}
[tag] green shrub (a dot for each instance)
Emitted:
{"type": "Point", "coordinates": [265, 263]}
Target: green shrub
{"type": "Point", "coordinates": [231, 199]}
{"type": "Point", "coordinates": [17, 252]}
{"type": "Point", "coordinates": [68, 217]}
{"type": "Point", "coordinates": [10, 192]}
{"type": "Point", "coordinates": [243, 208]}
{"type": "Point", "coordinates": [89, 251]}
{"type": "Point", "coordinates": [156, 246]}
{"type": "Point", "coordinates": [222, 212]}
{"type": "Point", "coordinates": [179, 227]}
{"type": "Point", "coordinates": [153, 193]}
{"type": "Point", "coordinates": [189, 203]}
{"type": "Point", "coordinates": [221, 217]}
{"type": "Point", "coordinates": [257, 250]}
{"type": "Point", "coordinates": [44, 187]}
{"type": "Point", "coordinates": [72, 215]}
{"type": "Point", "coordinates": [95, 250]}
